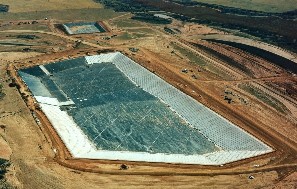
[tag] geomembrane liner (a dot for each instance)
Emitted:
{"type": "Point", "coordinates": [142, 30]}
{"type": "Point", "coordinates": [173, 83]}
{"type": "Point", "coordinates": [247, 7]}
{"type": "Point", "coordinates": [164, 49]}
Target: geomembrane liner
{"type": "Point", "coordinates": [83, 27]}
{"type": "Point", "coordinates": [117, 109]}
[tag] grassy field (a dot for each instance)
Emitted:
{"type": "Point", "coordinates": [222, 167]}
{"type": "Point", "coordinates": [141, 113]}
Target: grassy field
{"type": "Point", "coordinates": [2, 94]}
{"type": "Point", "coordinates": [127, 23]}
{"type": "Point", "coordinates": [195, 59]}
{"type": "Point", "coordinates": [142, 30]}
{"type": "Point", "coordinates": [67, 15]}
{"type": "Point", "coordinates": [276, 104]}
{"type": "Point", "coordinates": [190, 55]}
{"type": "Point", "coordinates": [125, 36]}
{"type": "Point", "coordinates": [258, 5]}
{"type": "Point", "coordinates": [45, 5]}
{"type": "Point", "coordinates": [27, 27]}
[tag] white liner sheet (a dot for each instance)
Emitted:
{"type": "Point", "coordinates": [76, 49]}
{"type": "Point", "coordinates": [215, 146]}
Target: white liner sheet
{"type": "Point", "coordinates": [80, 146]}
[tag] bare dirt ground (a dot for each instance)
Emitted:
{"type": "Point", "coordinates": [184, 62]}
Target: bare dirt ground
{"type": "Point", "coordinates": [5, 149]}
{"type": "Point", "coordinates": [36, 165]}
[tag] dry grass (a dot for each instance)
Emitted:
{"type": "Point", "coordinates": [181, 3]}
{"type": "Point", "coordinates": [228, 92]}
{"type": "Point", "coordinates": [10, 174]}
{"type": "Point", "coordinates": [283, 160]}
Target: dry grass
{"type": "Point", "coordinates": [84, 14]}
{"type": "Point", "coordinates": [10, 56]}
{"type": "Point", "coordinates": [45, 5]}
{"type": "Point", "coordinates": [258, 5]}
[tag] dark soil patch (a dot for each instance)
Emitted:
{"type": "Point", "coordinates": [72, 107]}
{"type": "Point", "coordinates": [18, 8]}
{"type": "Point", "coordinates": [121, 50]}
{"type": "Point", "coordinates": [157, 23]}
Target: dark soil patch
{"type": "Point", "coordinates": [271, 57]}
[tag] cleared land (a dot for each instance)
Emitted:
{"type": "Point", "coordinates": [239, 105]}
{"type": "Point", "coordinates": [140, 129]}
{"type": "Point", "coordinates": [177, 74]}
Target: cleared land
{"type": "Point", "coordinates": [36, 5]}
{"type": "Point", "coordinates": [257, 5]}
{"type": "Point", "coordinates": [216, 84]}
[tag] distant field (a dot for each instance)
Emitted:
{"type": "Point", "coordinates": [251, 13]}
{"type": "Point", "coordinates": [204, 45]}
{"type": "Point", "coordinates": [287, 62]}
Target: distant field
{"type": "Point", "coordinates": [269, 100]}
{"type": "Point", "coordinates": [128, 36]}
{"type": "Point", "coordinates": [127, 23]}
{"type": "Point", "coordinates": [67, 15]}
{"type": "Point", "coordinates": [258, 5]}
{"type": "Point", "coordinates": [45, 5]}
{"type": "Point", "coordinates": [190, 55]}
{"type": "Point", "coordinates": [142, 30]}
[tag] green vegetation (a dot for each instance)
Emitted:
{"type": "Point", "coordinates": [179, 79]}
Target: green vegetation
{"type": "Point", "coordinates": [168, 30]}
{"type": "Point", "coordinates": [139, 35]}
{"type": "Point", "coordinates": [151, 19]}
{"type": "Point", "coordinates": [279, 29]}
{"type": "Point", "coordinates": [126, 6]}
{"type": "Point", "coordinates": [190, 55]}
{"type": "Point", "coordinates": [218, 72]}
{"type": "Point", "coordinates": [125, 36]}
{"type": "Point", "coordinates": [128, 36]}
{"type": "Point", "coordinates": [127, 23]}
{"type": "Point", "coordinates": [3, 169]}
{"type": "Point", "coordinates": [28, 37]}
{"type": "Point", "coordinates": [3, 164]}
{"type": "Point", "coordinates": [274, 103]}
{"type": "Point", "coordinates": [257, 5]}
{"type": "Point", "coordinates": [195, 59]}
{"type": "Point", "coordinates": [4, 8]}
{"type": "Point", "coordinates": [224, 58]}
{"type": "Point", "coordinates": [271, 57]}
{"type": "Point", "coordinates": [2, 94]}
